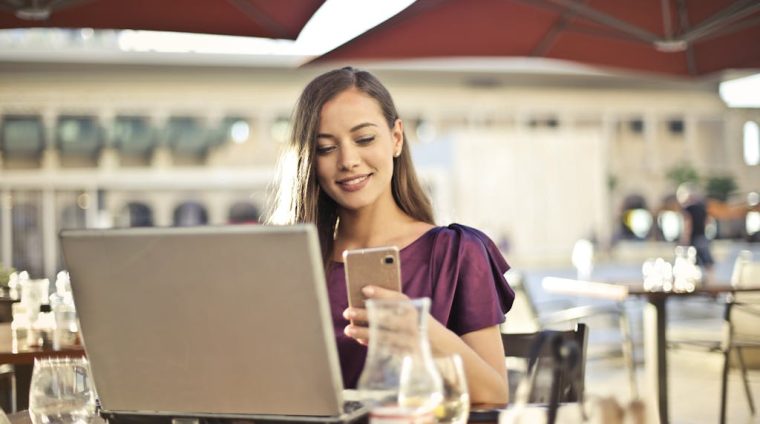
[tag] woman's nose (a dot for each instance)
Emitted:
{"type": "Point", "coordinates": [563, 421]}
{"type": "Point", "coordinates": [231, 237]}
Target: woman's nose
{"type": "Point", "coordinates": [349, 157]}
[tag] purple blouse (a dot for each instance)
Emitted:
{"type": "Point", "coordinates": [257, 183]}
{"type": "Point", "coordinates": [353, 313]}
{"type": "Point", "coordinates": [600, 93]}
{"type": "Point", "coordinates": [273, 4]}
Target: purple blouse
{"type": "Point", "coordinates": [459, 268]}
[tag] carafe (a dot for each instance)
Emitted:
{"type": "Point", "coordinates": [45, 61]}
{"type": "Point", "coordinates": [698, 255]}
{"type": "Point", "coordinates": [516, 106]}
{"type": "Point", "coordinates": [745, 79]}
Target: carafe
{"type": "Point", "coordinates": [399, 369]}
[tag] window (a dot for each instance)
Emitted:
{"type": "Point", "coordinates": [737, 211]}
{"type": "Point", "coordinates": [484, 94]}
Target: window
{"type": "Point", "coordinates": [135, 214]}
{"type": "Point", "coordinates": [244, 213]}
{"type": "Point", "coordinates": [22, 136]}
{"type": "Point", "coordinates": [189, 214]}
{"type": "Point", "coordinates": [751, 143]}
{"type": "Point", "coordinates": [78, 135]}
{"type": "Point", "coordinates": [133, 135]}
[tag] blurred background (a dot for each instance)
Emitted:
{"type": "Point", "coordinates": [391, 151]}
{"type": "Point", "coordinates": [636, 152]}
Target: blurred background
{"type": "Point", "coordinates": [560, 128]}
{"type": "Point", "coordinates": [122, 127]}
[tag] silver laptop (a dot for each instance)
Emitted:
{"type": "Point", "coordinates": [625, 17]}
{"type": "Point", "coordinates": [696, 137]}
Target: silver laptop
{"type": "Point", "coordinates": [213, 322]}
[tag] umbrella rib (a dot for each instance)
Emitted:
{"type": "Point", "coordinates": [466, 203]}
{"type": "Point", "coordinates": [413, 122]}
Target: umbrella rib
{"type": "Point", "coordinates": [261, 18]}
{"type": "Point", "coordinates": [608, 20]}
{"type": "Point", "coordinates": [581, 27]}
{"type": "Point", "coordinates": [609, 33]}
{"type": "Point", "coordinates": [736, 11]}
{"type": "Point", "coordinates": [691, 63]}
{"type": "Point", "coordinates": [551, 35]}
{"type": "Point", "coordinates": [666, 23]}
{"type": "Point", "coordinates": [749, 23]}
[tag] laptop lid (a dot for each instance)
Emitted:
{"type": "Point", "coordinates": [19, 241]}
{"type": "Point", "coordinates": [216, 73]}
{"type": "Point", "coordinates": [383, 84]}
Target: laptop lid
{"type": "Point", "coordinates": [206, 321]}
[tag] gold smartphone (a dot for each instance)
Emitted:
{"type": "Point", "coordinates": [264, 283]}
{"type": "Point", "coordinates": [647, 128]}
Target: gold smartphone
{"type": "Point", "coordinates": [377, 266]}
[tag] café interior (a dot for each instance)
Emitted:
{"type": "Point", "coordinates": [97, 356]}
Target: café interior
{"type": "Point", "coordinates": [571, 168]}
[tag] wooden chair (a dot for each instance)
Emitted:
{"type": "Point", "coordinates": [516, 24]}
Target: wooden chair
{"type": "Point", "coordinates": [555, 316]}
{"type": "Point", "coordinates": [741, 329]}
{"type": "Point", "coordinates": [570, 380]}
{"type": "Point", "coordinates": [741, 326]}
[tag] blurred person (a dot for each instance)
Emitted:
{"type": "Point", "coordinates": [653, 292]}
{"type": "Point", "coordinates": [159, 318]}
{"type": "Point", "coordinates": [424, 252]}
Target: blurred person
{"type": "Point", "coordinates": [694, 211]}
{"type": "Point", "coordinates": [355, 181]}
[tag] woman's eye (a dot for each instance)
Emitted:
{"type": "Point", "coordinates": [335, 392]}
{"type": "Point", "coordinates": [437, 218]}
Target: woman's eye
{"type": "Point", "coordinates": [321, 150]}
{"type": "Point", "coordinates": [365, 140]}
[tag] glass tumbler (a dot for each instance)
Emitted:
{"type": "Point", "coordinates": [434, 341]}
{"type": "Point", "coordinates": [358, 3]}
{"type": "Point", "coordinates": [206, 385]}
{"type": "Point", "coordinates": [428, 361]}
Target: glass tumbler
{"type": "Point", "coordinates": [61, 392]}
{"type": "Point", "coordinates": [455, 408]}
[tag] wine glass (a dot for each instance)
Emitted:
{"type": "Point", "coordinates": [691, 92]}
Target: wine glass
{"type": "Point", "coordinates": [455, 408]}
{"type": "Point", "coordinates": [61, 392]}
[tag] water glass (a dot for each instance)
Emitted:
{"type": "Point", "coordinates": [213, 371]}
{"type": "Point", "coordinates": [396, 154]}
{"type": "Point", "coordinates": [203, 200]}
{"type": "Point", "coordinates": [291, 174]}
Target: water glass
{"type": "Point", "coordinates": [61, 392]}
{"type": "Point", "coordinates": [455, 407]}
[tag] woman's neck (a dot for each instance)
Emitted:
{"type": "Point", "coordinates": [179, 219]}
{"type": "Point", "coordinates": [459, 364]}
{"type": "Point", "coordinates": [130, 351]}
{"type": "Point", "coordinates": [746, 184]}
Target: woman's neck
{"type": "Point", "coordinates": [370, 227]}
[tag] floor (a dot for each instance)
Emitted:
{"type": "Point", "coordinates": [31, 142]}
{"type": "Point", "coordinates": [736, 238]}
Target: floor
{"type": "Point", "coordinates": [694, 391]}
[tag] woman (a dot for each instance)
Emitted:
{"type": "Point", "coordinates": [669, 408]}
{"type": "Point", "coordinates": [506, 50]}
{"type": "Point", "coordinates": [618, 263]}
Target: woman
{"type": "Point", "coordinates": [356, 182]}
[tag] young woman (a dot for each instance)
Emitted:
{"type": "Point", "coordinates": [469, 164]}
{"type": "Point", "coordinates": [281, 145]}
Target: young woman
{"type": "Point", "coordinates": [356, 182]}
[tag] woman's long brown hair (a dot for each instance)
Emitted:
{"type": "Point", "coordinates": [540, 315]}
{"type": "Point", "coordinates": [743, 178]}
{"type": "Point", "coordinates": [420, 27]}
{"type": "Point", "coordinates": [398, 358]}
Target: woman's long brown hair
{"type": "Point", "coordinates": [308, 202]}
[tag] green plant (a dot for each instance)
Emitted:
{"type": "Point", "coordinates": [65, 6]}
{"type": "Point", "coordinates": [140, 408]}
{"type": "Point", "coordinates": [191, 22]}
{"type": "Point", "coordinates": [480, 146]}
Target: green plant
{"type": "Point", "coordinates": [682, 173]}
{"type": "Point", "coordinates": [720, 187]}
{"type": "Point", "coordinates": [612, 182]}
{"type": "Point", "coordinates": [5, 275]}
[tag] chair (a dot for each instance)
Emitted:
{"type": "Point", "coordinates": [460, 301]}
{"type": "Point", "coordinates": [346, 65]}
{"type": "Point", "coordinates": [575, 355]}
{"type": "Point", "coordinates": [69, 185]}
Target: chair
{"type": "Point", "coordinates": [524, 301]}
{"type": "Point", "coordinates": [741, 319]}
{"type": "Point", "coordinates": [570, 386]}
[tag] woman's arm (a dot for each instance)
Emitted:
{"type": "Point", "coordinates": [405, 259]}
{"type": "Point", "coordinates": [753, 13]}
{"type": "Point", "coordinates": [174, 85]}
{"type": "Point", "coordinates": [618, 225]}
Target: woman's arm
{"type": "Point", "coordinates": [482, 351]}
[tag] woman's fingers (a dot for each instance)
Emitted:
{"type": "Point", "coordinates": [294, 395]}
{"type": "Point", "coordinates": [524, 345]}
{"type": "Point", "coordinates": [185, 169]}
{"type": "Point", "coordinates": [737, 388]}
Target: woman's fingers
{"type": "Point", "coordinates": [355, 314]}
{"type": "Point", "coordinates": [360, 334]}
{"type": "Point", "coordinates": [358, 316]}
{"type": "Point", "coordinates": [375, 292]}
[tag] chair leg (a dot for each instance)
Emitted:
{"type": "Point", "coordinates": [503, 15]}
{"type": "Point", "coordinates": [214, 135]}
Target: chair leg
{"type": "Point", "coordinates": [625, 332]}
{"type": "Point", "coordinates": [724, 384]}
{"type": "Point", "coordinates": [747, 389]}
{"type": "Point", "coordinates": [14, 397]}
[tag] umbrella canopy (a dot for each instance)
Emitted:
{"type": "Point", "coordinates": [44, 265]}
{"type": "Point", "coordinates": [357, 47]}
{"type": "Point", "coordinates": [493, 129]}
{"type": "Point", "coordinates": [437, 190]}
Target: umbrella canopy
{"type": "Point", "coordinates": [677, 37]}
{"type": "Point", "coordinates": [255, 18]}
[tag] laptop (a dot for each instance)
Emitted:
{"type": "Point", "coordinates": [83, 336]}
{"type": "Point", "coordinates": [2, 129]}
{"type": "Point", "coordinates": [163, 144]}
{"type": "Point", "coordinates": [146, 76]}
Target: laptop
{"type": "Point", "coordinates": [207, 322]}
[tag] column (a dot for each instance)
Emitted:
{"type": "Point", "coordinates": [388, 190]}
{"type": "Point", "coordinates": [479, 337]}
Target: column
{"type": "Point", "coordinates": [691, 144]}
{"type": "Point", "coordinates": [109, 157]}
{"type": "Point", "coordinates": [51, 159]}
{"type": "Point", "coordinates": [92, 211]}
{"type": "Point", "coordinates": [6, 243]}
{"type": "Point", "coordinates": [162, 157]}
{"type": "Point", "coordinates": [606, 210]}
{"type": "Point", "coordinates": [652, 161]}
{"type": "Point", "coordinates": [217, 205]}
{"type": "Point", "coordinates": [49, 232]}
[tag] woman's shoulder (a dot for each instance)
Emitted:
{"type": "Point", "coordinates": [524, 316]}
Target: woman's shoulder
{"type": "Point", "coordinates": [462, 235]}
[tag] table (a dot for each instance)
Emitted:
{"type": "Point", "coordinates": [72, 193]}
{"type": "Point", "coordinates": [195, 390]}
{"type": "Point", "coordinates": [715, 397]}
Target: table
{"type": "Point", "coordinates": [23, 360]}
{"type": "Point", "coordinates": [655, 321]}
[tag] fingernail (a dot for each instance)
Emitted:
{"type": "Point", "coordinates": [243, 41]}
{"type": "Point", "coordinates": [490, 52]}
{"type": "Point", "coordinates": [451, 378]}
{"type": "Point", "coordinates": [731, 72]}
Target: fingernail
{"type": "Point", "coordinates": [349, 313]}
{"type": "Point", "coordinates": [368, 291]}
{"type": "Point", "coordinates": [349, 331]}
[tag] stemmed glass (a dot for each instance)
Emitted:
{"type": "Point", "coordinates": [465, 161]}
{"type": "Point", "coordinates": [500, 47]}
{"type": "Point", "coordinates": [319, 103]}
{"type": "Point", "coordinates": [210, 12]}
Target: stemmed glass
{"type": "Point", "coordinates": [61, 392]}
{"type": "Point", "coordinates": [455, 408]}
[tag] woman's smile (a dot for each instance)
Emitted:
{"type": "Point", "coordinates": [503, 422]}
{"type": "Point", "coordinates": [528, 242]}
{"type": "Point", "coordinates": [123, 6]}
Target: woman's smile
{"type": "Point", "coordinates": [354, 183]}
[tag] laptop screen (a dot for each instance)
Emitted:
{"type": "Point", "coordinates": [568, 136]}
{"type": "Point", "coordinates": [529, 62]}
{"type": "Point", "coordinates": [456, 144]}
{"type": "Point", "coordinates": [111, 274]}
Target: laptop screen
{"type": "Point", "coordinates": [229, 320]}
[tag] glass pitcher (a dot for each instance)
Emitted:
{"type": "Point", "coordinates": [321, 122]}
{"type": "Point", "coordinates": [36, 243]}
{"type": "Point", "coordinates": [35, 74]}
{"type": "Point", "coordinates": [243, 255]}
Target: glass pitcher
{"type": "Point", "coordinates": [61, 392]}
{"type": "Point", "coordinates": [399, 367]}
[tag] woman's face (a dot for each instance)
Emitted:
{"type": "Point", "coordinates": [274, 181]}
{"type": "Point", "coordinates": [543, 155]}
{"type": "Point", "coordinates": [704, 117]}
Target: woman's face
{"type": "Point", "coordinates": [355, 150]}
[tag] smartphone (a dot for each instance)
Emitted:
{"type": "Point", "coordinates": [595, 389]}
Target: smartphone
{"type": "Point", "coordinates": [377, 266]}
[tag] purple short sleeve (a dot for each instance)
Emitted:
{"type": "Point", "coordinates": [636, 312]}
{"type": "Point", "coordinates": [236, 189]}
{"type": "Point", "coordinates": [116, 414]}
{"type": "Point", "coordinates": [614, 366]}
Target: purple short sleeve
{"type": "Point", "coordinates": [470, 272]}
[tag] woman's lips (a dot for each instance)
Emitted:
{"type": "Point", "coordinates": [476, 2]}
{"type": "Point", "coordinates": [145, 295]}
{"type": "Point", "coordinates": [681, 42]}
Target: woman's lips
{"type": "Point", "coordinates": [354, 183]}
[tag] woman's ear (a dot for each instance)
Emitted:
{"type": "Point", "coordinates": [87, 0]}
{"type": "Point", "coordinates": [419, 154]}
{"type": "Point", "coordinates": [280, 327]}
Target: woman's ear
{"type": "Point", "coordinates": [397, 133]}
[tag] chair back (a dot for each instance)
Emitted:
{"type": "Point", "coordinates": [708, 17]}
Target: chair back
{"type": "Point", "coordinates": [745, 313]}
{"type": "Point", "coordinates": [522, 345]}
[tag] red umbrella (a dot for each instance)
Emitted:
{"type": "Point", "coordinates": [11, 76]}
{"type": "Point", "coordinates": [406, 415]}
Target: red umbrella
{"type": "Point", "coordinates": [679, 37]}
{"type": "Point", "coordinates": [257, 18]}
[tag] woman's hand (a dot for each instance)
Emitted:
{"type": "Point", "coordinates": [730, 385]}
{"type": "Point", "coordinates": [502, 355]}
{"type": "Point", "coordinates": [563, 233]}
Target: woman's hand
{"type": "Point", "coordinates": [359, 315]}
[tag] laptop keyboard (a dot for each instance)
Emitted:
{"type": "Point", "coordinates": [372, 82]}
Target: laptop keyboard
{"type": "Point", "coordinates": [350, 406]}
